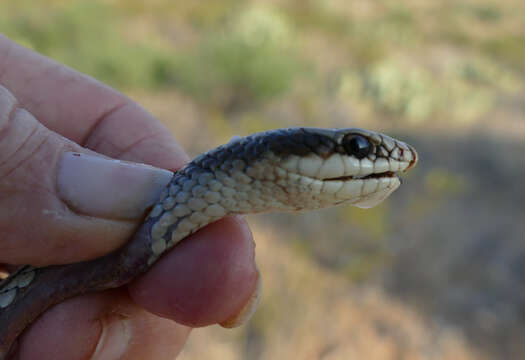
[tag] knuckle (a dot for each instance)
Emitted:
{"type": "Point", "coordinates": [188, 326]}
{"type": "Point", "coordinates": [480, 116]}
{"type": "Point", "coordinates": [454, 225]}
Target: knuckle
{"type": "Point", "coordinates": [17, 127]}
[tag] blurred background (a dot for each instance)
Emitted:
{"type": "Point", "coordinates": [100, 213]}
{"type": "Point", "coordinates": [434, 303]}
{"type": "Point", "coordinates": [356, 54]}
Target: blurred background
{"type": "Point", "coordinates": [436, 271]}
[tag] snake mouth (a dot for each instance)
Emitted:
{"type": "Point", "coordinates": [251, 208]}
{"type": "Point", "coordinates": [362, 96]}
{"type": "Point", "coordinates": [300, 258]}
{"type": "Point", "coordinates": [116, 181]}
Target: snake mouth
{"type": "Point", "coordinates": [387, 174]}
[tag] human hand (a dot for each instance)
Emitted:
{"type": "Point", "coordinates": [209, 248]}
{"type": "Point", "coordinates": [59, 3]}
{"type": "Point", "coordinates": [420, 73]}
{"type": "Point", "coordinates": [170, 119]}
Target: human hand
{"type": "Point", "coordinates": [59, 208]}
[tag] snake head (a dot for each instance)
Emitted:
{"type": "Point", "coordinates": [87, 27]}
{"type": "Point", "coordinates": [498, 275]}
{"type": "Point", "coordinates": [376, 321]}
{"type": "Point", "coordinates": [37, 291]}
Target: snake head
{"type": "Point", "coordinates": [305, 168]}
{"type": "Point", "coordinates": [324, 167]}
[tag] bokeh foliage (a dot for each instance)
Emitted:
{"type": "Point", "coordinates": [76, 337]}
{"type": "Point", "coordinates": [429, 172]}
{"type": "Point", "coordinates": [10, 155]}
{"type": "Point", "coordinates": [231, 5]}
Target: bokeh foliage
{"type": "Point", "coordinates": [248, 60]}
{"type": "Point", "coordinates": [380, 57]}
{"type": "Point", "coordinates": [85, 35]}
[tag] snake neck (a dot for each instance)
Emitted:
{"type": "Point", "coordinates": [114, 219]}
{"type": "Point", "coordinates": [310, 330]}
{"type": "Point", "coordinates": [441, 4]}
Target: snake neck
{"type": "Point", "coordinates": [198, 195]}
{"type": "Point", "coordinates": [190, 201]}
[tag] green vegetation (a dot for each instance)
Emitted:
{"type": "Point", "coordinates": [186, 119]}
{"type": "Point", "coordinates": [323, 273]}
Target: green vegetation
{"type": "Point", "coordinates": [232, 57]}
{"type": "Point", "coordinates": [462, 91]}
{"type": "Point", "coordinates": [85, 35]}
{"type": "Point", "coordinates": [247, 62]}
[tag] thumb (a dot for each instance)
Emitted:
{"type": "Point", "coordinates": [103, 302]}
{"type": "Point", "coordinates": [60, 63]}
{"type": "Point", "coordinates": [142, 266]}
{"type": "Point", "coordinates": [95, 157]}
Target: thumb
{"type": "Point", "coordinates": [60, 202]}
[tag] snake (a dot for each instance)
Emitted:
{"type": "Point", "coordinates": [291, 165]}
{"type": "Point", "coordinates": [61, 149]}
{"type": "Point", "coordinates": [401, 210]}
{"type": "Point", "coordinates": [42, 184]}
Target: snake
{"type": "Point", "coordinates": [290, 169]}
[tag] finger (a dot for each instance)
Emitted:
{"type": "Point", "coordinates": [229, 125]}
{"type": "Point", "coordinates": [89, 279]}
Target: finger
{"type": "Point", "coordinates": [49, 201]}
{"type": "Point", "coordinates": [85, 110]}
{"type": "Point", "coordinates": [107, 325]}
{"type": "Point", "coordinates": [209, 278]}
{"type": "Point", "coordinates": [57, 95]}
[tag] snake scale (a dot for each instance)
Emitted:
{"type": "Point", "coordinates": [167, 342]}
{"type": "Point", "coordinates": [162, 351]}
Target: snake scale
{"type": "Point", "coordinates": [278, 170]}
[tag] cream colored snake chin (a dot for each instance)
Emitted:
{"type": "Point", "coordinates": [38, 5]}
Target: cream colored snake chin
{"type": "Point", "coordinates": [278, 170]}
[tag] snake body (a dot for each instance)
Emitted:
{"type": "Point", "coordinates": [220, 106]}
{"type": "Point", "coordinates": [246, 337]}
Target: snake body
{"type": "Point", "coordinates": [279, 170]}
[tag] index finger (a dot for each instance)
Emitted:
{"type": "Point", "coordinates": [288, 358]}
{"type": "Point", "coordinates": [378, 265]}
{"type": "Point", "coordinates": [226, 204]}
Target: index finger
{"type": "Point", "coordinates": [84, 110]}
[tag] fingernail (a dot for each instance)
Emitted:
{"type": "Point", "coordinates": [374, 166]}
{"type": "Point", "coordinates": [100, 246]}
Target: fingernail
{"type": "Point", "coordinates": [248, 309]}
{"type": "Point", "coordinates": [114, 340]}
{"type": "Point", "coordinates": [107, 188]}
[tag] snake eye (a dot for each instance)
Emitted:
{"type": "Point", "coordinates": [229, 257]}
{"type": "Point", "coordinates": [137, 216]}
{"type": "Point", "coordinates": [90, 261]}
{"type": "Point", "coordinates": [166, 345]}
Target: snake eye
{"type": "Point", "coordinates": [357, 146]}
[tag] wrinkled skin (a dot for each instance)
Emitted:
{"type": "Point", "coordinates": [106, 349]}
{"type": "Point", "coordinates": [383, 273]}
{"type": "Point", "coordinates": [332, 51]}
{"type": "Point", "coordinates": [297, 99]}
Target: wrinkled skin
{"type": "Point", "coordinates": [49, 109]}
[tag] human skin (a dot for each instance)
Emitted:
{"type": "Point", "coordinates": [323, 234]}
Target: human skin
{"type": "Point", "coordinates": [48, 113]}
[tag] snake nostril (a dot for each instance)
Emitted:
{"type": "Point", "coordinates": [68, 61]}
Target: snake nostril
{"type": "Point", "coordinates": [415, 157]}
